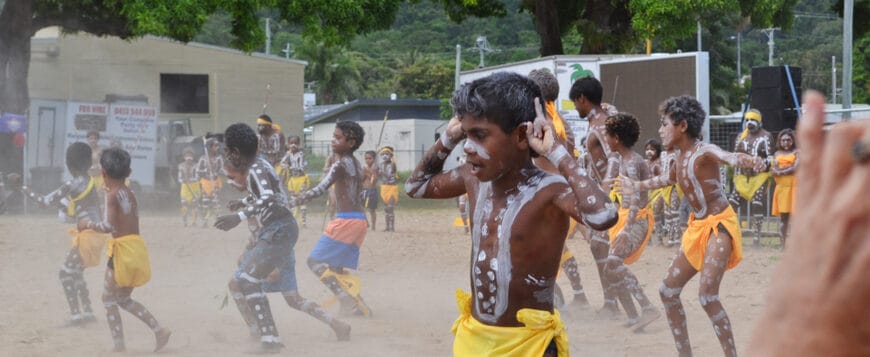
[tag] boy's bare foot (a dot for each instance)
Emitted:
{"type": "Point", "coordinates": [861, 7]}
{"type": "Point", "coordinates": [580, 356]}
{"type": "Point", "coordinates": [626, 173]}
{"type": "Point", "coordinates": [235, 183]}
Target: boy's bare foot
{"type": "Point", "coordinates": [649, 315]}
{"type": "Point", "coordinates": [342, 330]}
{"type": "Point", "coordinates": [162, 337]}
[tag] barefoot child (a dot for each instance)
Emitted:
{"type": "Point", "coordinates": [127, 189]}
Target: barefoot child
{"type": "Point", "coordinates": [520, 215]}
{"type": "Point", "coordinates": [653, 155]}
{"type": "Point", "coordinates": [370, 188]}
{"type": "Point", "coordinates": [128, 265]}
{"type": "Point", "coordinates": [712, 242]}
{"type": "Point", "coordinates": [634, 228]}
{"type": "Point", "coordinates": [785, 163]}
{"type": "Point", "coordinates": [210, 168]}
{"type": "Point", "coordinates": [77, 199]}
{"type": "Point", "coordinates": [293, 166]}
{"type": "Point", "coordinates": [389, 190]}
{"type": "Point", "coordinates": [338, 247]}
{"type": "Point", "coordinates": [270, 140]}
{"type": "Point", "coordinates": [586, 94]}
{"type": "Point", "coordinates": [191, 192]}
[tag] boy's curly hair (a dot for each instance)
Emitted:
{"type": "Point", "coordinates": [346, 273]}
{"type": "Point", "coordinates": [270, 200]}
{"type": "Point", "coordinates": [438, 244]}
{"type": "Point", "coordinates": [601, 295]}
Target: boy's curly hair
{"type": "Point", "coordinates": [241, 145]}
{"type": "Point", "coordinates": [623, 126]}
{"type": "Point", "coordinates": [352, 131]}
{"type": "Point", "coordinates": [685, 109]}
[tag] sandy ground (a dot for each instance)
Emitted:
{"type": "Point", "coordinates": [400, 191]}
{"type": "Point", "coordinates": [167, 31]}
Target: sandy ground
{"type": "Point", "coordinates": [409, 278]}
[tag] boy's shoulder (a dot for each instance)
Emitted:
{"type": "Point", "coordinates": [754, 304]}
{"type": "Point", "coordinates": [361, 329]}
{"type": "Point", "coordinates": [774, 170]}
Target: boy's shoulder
{"type": "Point", "coordinates": [541, 179]}
{"type": "Point", "coordinates": [350, 164]}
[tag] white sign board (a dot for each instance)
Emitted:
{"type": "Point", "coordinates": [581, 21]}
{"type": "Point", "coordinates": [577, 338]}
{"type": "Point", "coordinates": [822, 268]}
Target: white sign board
{"type": "Point", "coordinates": [134, 127]}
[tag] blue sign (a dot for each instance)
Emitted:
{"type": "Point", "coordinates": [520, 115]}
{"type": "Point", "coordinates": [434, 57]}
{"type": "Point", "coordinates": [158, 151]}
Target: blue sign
{"type": "Point", "coordinates": [13, 123]}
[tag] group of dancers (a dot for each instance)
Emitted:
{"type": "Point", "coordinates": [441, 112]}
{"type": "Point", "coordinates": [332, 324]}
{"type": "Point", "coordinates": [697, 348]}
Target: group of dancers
{"type": "Point", "coordinates": [527, 186]}
{"type": "Point", "coordinates": [525, 181]}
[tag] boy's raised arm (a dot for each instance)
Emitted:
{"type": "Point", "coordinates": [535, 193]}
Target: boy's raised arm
{"type": "Point", "coordinates": [428, 180]}
{"type": "Point", "coordinates": [736, 159]}
{"type": "Point", "coordinates": [667, 178]}
{"type": "Point", "coordinates": [56, 196]}
{"type": "Point", "coordinates": [585, 201]}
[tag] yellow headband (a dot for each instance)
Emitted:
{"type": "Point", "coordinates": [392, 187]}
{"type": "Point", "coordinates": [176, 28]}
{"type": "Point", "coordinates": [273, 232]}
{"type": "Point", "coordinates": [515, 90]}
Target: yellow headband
{"type": "Point", "coordinates": [387, 150]}
{"type": "Point", "coordinates": [265, 122]}
{"type": "Point", "coordinates": [753, 116]}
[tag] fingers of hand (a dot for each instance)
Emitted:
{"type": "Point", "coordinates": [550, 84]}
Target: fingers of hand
{"type": "Point", "coordinates": [539, 109]}
{"type": "Point", "coordinates": [811, 137]}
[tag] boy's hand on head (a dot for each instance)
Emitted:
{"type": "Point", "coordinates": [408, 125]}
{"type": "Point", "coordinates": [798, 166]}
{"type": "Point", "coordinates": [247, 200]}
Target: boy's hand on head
{"type": "Point", "coordinates": [227, 222]}
{"type": "Point", "coordinates": [235, 205]}
{"type": "Point", "coordinates": [452, 134]}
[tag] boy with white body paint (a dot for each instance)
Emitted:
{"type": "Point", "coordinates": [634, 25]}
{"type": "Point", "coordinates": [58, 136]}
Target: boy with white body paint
{"type": "Point", "coordinates": [519, 215]}
{"type": "Point", "coordinates": [712, 241]}
{"type": "Point", "coordinates": [634, 228]}
{"type": "Point", "coordinates": [338, 248]}
{"type": "Point", "coordinates": [550, 91]}
{"type": "Point", "coordinates": [586, 94]}
{"type": "Point", "coordinates": [389, 178]}
{"type": "Point", "coordinates": [128, 266]}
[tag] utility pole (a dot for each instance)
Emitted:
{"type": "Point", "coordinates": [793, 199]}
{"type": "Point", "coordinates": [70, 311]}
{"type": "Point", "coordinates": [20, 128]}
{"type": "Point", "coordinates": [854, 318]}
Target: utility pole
{"type": "Point", "coordinates": [287, 51]}
{"type": "Point", "coordinates": [833, 79]}
{"type": "Point", "coordinates": [268, 38]}
{"type": "Point", "coordinates": [483, 47]}
{"type": "Point", "coordinates": [848, 13]}
{"type": "Point", "coordinates": [739, 66]}
{"type": "Point", "coordinates": [699, 34]}
{"type": "Point", "coordinates": [770, 43]}
{"type": "Point", "coordinates": [458, 67]}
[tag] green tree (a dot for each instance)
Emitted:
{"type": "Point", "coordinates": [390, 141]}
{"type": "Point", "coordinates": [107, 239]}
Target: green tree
{"type": "Point", "coordinates": [861, 70]}
{"type": "Point", "coordinates": [334, 71]}
{"type": "Point", "coordinates": [860, 49]}
{"type": "Point", "coordinates": [670, 20]}
{"type": "Point", "coordinates": [425, 78]}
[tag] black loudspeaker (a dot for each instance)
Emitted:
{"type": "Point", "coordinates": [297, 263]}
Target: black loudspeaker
{"type": "Point", "coordinates": [772, 96]}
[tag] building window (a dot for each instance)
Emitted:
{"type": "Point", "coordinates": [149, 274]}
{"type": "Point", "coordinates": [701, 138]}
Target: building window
{"type": "Point", "coordinates": [184, 93]}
